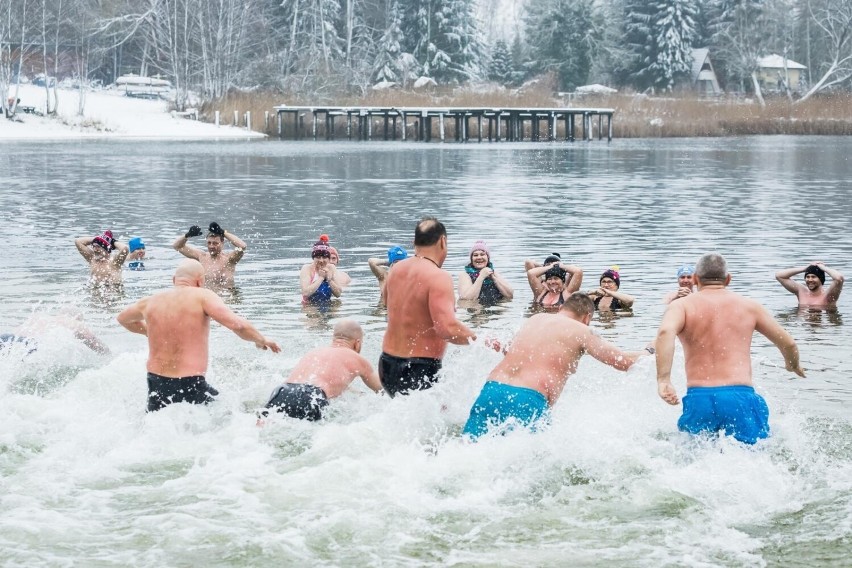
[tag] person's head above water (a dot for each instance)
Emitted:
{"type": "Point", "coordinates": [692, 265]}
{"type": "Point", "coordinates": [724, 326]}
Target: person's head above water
{"type": "Point", "coordinates": [684, 275]}
{"type": "Point", "coordinates": [554, 272]}
{"type": "Point", "coordinates": [396, 253]}
{"type": "Point", "coordinates": [136, 243]}
{"type": "Point", "coordinates": [334, 256]}
{"type": "Point", "coordinates": [611, 274]}
{"type": "Point", "coordinates": [321, 250]}
{"type": "Point", "coordinates": [431, 237]}
{"type": "Point", "coordinates": [189, 272]}
{"type": "Point", "coordinates": [349, 332]}
{"type": "Point", "coordinates": [553, 257]}
{"type": "Point", "coordinates": [104, 242]}
{"type": "Point", "coordinates": [712, 268]}
{"type": "Point", "coordinates": [480, 254]}
{"type": "Point", "coordinates": [581, 305]}
{"type": "Point", "coordinates": [814, 270]}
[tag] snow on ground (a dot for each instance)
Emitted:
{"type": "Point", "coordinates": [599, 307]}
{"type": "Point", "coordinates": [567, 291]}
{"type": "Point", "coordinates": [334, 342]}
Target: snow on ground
{"type": "Point", "coordinates": [107, 114]}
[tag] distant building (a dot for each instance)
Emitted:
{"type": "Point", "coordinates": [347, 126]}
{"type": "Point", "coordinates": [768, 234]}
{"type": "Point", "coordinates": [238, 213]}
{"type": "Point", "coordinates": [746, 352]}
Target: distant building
{"type": "Point", "coordinates": [773, 69]}
{"type": "Point", "coordinates": [704, 80]}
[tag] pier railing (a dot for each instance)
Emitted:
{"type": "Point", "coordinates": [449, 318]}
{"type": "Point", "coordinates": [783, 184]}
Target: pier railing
{"type": "Point", "coordinates": [423, 124]}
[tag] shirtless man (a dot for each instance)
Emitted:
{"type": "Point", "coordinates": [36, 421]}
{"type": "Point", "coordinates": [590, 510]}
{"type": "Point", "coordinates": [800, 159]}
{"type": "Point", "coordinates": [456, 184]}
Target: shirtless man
{"type": "Point", "coordinates": [380, 267]}
{"type": "Point", "coordinates": [421, 314]}
{"type": "Point", "coordinates": [177, 324]}
{"type": "Point", "coordinates": [105, 266]}
{"type": "Point", "coordinates": [219, 265]}
{"type": "Point", "coordinates": [324, 373]}
{"type": "Point", "coordinates": [715, 327]}
{"type": "Point", "coordinates": [685, 284]}
{"type": "Point", "coordinates": [813, 294]}
{"type": "Point", "coordinates": [42, 325]}
{"type": "Point", "coordinates": [544, 353]}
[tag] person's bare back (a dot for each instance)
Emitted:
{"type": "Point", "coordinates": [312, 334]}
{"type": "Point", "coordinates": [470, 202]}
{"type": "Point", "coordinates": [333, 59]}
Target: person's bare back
{"type": "Point", "coordinates": [333, 368]}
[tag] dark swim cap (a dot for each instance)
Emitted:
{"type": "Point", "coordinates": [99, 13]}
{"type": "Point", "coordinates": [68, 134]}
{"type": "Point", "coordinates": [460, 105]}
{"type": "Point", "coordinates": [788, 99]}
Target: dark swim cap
{"type": "Point", "coordinates": [553, 257]}
{"type": "Point", "coordinates": [816, 271]}
{"type": "Point", "coordinates": [612, 273]}
{"type": "Point", "coordinates": [555, 271]}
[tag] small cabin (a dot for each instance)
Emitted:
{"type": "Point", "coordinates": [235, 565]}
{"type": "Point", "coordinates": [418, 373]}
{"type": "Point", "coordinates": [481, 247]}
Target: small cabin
{"type": "Point", "coordinates": [143, 87]}
{"type": "Point", "coordinates": [774, 70]}
{"type": "Point", "coordinates": [704, 80]}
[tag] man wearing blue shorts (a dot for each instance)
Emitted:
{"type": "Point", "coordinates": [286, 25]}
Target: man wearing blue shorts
{"type": "Point", "coordinates": [541, 357]}
{"type": "Point", "coordinates": [715, 327]}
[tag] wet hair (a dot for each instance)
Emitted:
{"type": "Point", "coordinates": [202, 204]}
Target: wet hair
{"type": "Point", "coordinates": [221, 237]}
{"type": "Point", "coordinates": [579, 303]}
{"type": "Point", "coordinates": [711, 267]}
{"type": "Point", "coordinates": [816, 271]}
{"type": "Point", "coordinates": [428, 232]}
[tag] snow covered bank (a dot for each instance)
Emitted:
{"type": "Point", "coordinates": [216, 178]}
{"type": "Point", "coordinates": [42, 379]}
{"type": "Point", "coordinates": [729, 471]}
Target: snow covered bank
{"type": "Point", "coordinates": [108, 114]}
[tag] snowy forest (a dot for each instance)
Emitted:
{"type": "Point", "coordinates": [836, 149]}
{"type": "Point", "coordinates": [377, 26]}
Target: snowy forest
{"type": "Point", "coordinates": [210, 47]}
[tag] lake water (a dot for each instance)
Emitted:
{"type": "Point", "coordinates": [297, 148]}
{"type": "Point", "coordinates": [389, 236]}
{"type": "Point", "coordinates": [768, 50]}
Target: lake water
{"type": "Point", "coordinates": [88, 478]}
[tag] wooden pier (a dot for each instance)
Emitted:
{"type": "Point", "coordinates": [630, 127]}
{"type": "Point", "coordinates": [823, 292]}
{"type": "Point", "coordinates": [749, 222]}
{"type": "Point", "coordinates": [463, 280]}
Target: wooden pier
{"type": "Point", "coordinates": [465, 124]}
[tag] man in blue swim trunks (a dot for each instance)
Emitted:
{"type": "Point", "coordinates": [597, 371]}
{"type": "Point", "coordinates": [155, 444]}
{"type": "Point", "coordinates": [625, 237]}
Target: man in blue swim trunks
{"type": "Point", "coordinates": [541, 357]}
{"type": "Point", "coordinates": [715, 327]}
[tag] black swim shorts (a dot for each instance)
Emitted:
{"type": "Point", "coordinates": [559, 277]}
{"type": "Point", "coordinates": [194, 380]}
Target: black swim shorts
{"type": "Point", "coordinates": [163, 391]}
{"type": "Point", "coordinates": [298, 400]}
{"type": "Point", "coordinates": [400, 375]}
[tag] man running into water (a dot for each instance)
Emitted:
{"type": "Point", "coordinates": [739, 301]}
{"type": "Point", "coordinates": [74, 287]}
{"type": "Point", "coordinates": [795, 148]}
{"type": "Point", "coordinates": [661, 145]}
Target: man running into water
{"type": "Point", "coordinates": [544, 353]}
{"type": "Point", "coordinates": [42, 326]}
{"type": "Point", "coordinates": [685, 285]}
{"type": "Point", "coordinates": [98, 252]}
{"type": "Point", "coordinates": [715, 327]}
{"type": "Point", "coordinates": [421, 314]}
{"type": "Point", "coordinates": [324, 373]}
{"type": "Point", "coordinates": [177, 324]}
{"type": "Point", "coordinates": [380, 268]}
{"type": "Point", "coordinates": [813, 294]}
{"type": "Point", "coordinates": [219, 265]}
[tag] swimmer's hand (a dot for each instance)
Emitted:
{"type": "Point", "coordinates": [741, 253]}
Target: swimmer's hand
{"type": "Point", "coordinates": [495, 344]}
{"type": "Point", "coordinates": [266, 344]}
{"type": "Point", "coordinates": [193, 231]}
{"type": "Point", "coordinates": [796, 369]}
{"type": "Point", "coordinates": [216, 229]}
{"type": "Point", "coordinates": [667, 392]}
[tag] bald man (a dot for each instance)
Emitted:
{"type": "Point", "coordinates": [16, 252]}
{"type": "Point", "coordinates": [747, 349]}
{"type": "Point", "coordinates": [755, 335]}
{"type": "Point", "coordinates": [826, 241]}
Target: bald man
{"type": "Point", "coordinates": [177, 324]}
{"type": "Point", "coordinates": [324, 373]}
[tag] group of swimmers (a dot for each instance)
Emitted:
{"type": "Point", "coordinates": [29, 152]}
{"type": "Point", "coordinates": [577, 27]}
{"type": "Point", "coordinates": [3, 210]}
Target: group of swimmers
{"type": "Point", "coordinates": [714, 325]}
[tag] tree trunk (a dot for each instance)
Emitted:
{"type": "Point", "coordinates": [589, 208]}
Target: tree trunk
{"type": "Point", "coordinates": [757, 92]}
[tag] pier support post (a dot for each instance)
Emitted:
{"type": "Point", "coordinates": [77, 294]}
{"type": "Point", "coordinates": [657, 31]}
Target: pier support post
{"type": "Point", "coordinates": [441, 125]}
{"type": "Point", "coordinates": [217, 118]}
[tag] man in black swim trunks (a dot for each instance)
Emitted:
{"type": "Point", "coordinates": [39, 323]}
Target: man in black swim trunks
{"type": "Point", "coordinates": [324, 373]}
{"type": "Point", "coordinates": [177, 324]}
{"type": "Point", "coordinates": [421, 314]}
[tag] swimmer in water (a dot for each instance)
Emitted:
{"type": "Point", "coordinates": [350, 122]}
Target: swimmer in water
{"type": "Point", "coordinates": [317, 279]}
{"type": "Point", "coordinates": [552, 282]}
{"type": "Point", "coordinates": [177, 324]}
{"type": "Point", "coordinates": [334, 258]}
{"type": "Point", "coordinates": [544, 353]}
{"type": "Point", "coordinates": [324, 373]}
{"type": "Point", "coordinates": [715, 327]}
{"type": "Point", "coordinates": [421, 314]}
{"type": "Point", "coordinates": [137, 254]}
{"type": "Point", "coordinates": [813, 293]}
{"type": "Point", "coordinates": [685, 284]}
{"type": "Point", "coordinates": [41, 325]}
{"type": "Point", "coordinates": [219, 265]}
{"type": "Point", "coordinates": [380, 268]}
{"type": "Point", "coordinates": [608, 296]}
{"type": "Point", "coordinates": [98, 251]}
{"type": "Point", "coordinates": [478, 281]}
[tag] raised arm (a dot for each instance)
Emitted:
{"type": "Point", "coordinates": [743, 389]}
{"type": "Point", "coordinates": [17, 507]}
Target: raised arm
{"type": "Point", "coordinates": [379, 267]}
{"type": "Point", "coordinates": [785, 278]}
{"type": "Point", "coordinates": [214, 307]}
{"type": "Point", "coordinates": [132, 318]}
{"type": "Point", "coordinates": [836, 283]}
{"type": "Point", "coordinates": [442, 311]}
{"type": "Point", "coordinates": [534, 273]}
{"type": "Point", "coordinates": [573, 280]}
{"type": "Point", "coordinates": [183, 248]}
{"type": "Point", "coordinates": [123, 251]}
{"type": "Point", "coordinates": [672, 324]}
{"type": "Point", "coordinates": [239, 247]}
{"type": "Point", "coordinates": [83, 245]}
{"type": "Point", "coordinates": [306, 286]}
{"type": "Point", "coordinates": [766, 325]}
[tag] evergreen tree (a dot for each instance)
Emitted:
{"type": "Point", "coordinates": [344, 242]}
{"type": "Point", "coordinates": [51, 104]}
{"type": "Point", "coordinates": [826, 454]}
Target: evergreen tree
{"type": "Point", "coordinates": [560, 38]}
{"type": "Point", "coordinates": [673, 34]}
{"type": "Point", "coordinates": [388, 64]}
{"type": "Point", "coordinates": [501, 69]}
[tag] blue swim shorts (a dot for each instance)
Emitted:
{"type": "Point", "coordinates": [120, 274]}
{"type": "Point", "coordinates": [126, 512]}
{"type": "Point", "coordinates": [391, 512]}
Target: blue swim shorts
{"type": "Point", "coordinates": [738, 410]}
{"type": "Point", "coordinates": [499, 403]}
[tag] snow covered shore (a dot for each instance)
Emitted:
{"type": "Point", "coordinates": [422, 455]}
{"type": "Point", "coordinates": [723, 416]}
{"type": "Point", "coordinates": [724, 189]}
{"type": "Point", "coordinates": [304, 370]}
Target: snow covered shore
{"type": "Point", "coordinates": [108, 114]}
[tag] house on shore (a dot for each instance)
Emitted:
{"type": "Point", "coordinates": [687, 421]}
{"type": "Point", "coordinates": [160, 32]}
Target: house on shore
{"type": "Point", "coordinates": [704, 80]}
{"type": "Point", "coordinates": [773, 71]}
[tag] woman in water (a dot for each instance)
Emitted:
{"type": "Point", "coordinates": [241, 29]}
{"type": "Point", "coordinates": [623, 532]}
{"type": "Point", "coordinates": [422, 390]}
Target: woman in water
{"type": "Point", "coordinates": [479, 281]}
{"type": "Point", "coordinates": [317, 279]}
{"type": "Point", "coordinates": [552, 283]}
{"type": "Point", "coordinates": [608, 296]}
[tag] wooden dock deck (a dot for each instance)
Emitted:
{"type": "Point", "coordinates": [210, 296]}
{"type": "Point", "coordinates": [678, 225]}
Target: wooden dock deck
{"type": "Point", "coordinates": [462, 124]}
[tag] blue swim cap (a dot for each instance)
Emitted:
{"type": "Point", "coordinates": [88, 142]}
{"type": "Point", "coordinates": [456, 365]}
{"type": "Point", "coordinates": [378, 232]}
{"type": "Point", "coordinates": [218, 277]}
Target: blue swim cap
{"type": "Point", "coordinates": [396, 253]}
{"type": "Point", "coordinates": [685, 270]}
{"type": "Point", "coordinates": [135, 244]}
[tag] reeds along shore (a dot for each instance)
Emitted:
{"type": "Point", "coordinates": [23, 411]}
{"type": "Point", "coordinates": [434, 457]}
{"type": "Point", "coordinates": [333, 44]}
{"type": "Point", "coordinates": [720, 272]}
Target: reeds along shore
{"type": "Point", "coordinates": [636, 116]}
